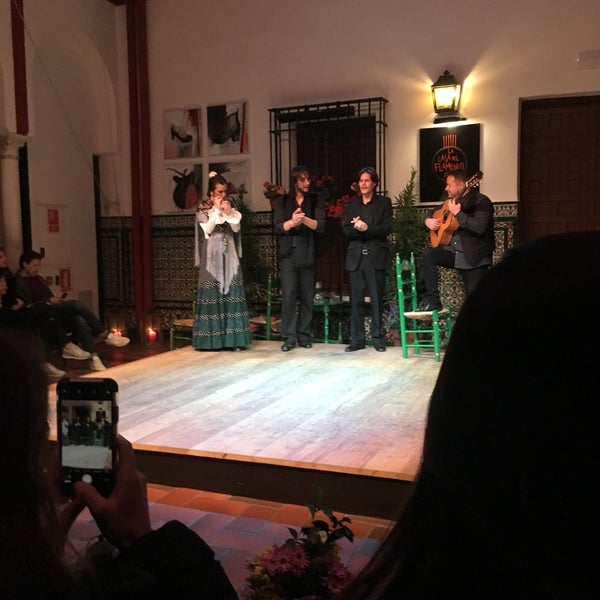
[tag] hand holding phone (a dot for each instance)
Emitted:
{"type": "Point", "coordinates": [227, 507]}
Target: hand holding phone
{"type": "Point", "coordinates": [87, 416]}
{"type": "Point", "coordinates": [124, 516]}
{"type": "Point", "coordinates": [63, 295]}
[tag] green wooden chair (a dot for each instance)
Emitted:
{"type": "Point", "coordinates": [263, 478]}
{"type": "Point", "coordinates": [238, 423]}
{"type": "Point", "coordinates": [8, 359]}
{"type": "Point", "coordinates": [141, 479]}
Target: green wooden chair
{"type": "Point", "coordinates": [271, 305]}
{"type": "Point", "coordinates": [181, 329]}
{"type": "Point", "coordinates": [425, 329]}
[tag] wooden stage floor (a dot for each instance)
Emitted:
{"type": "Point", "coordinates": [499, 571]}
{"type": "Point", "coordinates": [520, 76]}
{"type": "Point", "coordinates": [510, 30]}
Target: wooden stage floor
{"type": "Point", "coordinates": [267, 424]}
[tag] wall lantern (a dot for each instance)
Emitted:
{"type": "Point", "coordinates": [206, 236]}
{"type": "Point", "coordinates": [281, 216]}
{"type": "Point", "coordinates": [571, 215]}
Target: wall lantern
{"type": "Point", "coordinates": [446, 98]}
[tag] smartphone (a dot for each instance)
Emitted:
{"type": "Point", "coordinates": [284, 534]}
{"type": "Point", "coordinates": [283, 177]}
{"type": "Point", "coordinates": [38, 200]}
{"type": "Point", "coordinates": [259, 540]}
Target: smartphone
{"type": "Point", "coordinates": [87, 416]}
{"type": "Point", "coordinates": [63, 295]}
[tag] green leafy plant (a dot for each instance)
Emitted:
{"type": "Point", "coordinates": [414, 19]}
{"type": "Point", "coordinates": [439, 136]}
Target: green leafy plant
{"type": "Point", "coordinates": [306, 565]}
{"type": "Point", "coordinates": [409, 235]}
{"type": "Point", "coordinates": [408, 231]}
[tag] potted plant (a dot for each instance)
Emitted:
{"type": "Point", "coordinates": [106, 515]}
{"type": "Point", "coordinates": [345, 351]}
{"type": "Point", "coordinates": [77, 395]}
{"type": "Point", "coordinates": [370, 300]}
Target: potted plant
{"type": "Point", "coordinates": [307, 565]}
{"type": "Point", "coordinates": [408, 236]}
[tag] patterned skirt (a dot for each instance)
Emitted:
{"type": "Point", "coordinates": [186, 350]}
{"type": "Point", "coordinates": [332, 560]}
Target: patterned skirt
{"type": "Point", "coordinates": [221, 320]}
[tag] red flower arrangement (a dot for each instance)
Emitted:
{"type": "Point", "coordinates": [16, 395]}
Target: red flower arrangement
{"type": "Point", "coordinates": [336, 209]}
{"type": "Point", "coordinates": [324, 187]}
{"type": "Point", "coordinates": [272, 191]}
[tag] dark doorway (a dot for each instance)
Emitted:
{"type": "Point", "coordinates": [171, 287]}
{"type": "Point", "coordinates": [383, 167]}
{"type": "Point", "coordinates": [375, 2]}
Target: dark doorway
{"type": "Point", "coordinates": [559, 166]}
{"type": "Point", "coordinates": [336, 139]}
{"type": "Point", "coordinates": [340, 148]}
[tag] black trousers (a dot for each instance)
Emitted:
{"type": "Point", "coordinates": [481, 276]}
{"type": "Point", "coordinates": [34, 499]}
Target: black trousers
{"type": "Point", "coordinates": [434, 257]}
{"type": "Point", "coordinates": [297, 295]}
{"type": "Point", "coordinates": [366, 280]}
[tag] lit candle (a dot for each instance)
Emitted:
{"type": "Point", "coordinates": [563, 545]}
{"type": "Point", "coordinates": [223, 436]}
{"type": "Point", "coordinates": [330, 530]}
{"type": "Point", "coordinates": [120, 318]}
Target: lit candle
{"type": "Point", "coordinates": [151, 335]}
{"type": "Point", "coordinates": [117, 332]}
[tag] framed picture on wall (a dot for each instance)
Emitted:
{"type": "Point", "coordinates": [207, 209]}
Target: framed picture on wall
{"type": "Point", "coordinates": [184, 186]}
{"type": "Point", "coordinates": [236, 172]}
{"type": "Point", "coordinates": [181, 133]}
{"type": "Point", "coordinates": [444, 149]}
{"type": "Point", "coordinates": [227, 128]}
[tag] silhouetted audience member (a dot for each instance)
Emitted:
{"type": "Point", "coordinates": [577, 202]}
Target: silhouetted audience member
{"type": "Point", "coordinates": [73, 315]}
{"type": "Point", "coordinates": [505, 497]}
{"type": "Point", "coordinates": [171, 562]}
{"type": "Point", "coordinates": [37, 319]}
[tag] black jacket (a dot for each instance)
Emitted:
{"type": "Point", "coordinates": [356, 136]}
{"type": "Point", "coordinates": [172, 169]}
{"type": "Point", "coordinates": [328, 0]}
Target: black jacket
{"type": "Point", "coordinates": [171, 562]}
{"type": "Point", "coordinates": [476, 226]}
{"type": "Point", "coordinates": [313, 208]}
{"type": "Point", "coordinates": [378, 216]}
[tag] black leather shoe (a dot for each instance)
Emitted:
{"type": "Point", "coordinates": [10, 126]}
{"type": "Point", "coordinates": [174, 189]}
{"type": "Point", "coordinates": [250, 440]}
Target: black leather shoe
{"type": "Point", "coordinates": [354, 347]}
{"type": "Point", "coordinates": [379, 347]}
{"type": "Point", "coordinates": [287, 346]}
{"type": "Point", "coordinates": [305, 345]}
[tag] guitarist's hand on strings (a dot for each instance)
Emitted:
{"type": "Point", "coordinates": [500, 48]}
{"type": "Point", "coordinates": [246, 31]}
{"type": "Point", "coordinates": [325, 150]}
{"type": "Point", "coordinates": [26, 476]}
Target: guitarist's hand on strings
{"type": "Point", "coordinates": [453, 206]}
{"type": "Point", "coordinates": [432, 223]}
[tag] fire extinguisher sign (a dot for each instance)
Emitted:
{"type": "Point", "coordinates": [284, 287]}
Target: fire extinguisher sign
{"type": "Point", "coordinates": [53, 220]}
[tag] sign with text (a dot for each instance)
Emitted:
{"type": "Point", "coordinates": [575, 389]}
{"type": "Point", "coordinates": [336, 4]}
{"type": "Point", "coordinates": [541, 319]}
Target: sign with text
{"type": "Point", "coordinates": [444, 149]}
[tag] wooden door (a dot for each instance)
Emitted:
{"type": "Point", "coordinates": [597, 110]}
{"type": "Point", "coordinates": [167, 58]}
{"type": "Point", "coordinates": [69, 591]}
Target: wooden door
{"type": "Point", "coordinates": [559, 166]}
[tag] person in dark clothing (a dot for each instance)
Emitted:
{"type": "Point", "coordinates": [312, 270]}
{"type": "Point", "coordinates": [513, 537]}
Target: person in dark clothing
{"type": "Point", "coordinates": [37, 319]}
{"type": "Point", "coordinates": [299, 217]}
{"type": "Point", "coordinates": [464, 238]}
{"type": "Point", "coordinates": [505, 497]}
{"type": "Point", "coordinates": [170, 562]}
{"type": "Point", "coordinates": [73, 315]}
{"type": "Point", "coordinates": [367, 222]}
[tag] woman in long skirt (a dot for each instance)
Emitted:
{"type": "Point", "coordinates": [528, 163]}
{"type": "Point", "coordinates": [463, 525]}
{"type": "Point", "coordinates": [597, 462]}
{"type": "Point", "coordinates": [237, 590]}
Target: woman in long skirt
{"type": "Point", "coordinates": [221, 313]}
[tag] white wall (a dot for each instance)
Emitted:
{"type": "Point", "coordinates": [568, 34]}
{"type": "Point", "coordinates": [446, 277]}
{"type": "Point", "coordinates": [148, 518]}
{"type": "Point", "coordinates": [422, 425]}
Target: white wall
{"type": "Point", "coordinates": [276, 53]}
{"type": "Point", "coordinates": [73, 74]}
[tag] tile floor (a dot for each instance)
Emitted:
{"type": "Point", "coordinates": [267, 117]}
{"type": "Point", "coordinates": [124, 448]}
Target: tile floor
{"type": "Point", "coordinates": [237, 528]}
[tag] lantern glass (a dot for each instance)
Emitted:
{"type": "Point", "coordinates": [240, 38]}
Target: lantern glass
{"type": "Point", "coordinates": [446, 98]}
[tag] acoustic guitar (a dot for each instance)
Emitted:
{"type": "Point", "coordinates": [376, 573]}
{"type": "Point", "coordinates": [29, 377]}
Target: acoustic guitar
{"type": "Point", "coordinates": [448, 222]}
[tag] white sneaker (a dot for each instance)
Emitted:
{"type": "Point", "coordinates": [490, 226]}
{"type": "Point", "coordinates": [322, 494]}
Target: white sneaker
{"type": "Point", "coordinates": [53, 371]}
{"type": "Point", "coordinates": [71, 350]}
{"type": "Point", "coordinates": [118, 341]}
{"type": "Point", "coordinates": [96, 364]}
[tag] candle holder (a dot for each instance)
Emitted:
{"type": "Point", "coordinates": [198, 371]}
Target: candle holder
{"type": "Point", "coordinates": [118, 324]}
{"type": "Point", "coordinates": [152, 329]}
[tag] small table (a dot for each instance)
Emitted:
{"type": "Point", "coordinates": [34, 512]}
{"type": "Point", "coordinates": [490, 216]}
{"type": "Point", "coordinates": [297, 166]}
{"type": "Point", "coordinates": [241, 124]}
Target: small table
{"type": "Point", "coordinates": [325, 304]}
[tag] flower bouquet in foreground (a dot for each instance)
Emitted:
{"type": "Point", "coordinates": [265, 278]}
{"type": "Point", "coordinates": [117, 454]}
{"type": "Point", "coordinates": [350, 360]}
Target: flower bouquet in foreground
{"type": "Point", "coordinates": [306, 566]}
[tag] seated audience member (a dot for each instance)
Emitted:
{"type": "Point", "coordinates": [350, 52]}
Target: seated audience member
{"type": "Point", "coordinates": [171, 562]}
{"type": "Point", "coordinates": [14, 313]}
{"type": "Point", "coordinates": [74, 316]}
{"type": "Point", "coordinates": [505, 497]}
{"type": "Point", "coordinates": [41, 319]}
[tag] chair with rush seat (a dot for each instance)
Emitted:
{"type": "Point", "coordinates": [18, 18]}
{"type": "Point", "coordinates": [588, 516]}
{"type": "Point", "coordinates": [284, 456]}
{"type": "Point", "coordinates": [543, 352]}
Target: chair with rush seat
{"type": "Point", "coordinates": [181, 329]}
{"type": "Point", "coordinates": [425, 329]}
{"type": "Point", "coordinates": [269, 322]}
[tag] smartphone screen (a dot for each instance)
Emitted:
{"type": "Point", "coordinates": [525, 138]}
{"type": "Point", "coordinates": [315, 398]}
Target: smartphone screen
{"type": "Point", "coordinates": [87, 415]}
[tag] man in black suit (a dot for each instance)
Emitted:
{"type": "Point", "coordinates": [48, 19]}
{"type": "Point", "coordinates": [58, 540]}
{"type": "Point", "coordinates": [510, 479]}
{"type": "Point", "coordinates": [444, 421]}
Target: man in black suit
{"type": "Point", "coordinates": [367, 222]}
{"type": "Point", "coordinates": [298, 218]}
{"type": "Point", "coordinates": [470, 246]}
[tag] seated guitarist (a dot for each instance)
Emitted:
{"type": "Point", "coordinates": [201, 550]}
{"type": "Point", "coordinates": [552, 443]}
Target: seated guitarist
{"type": "Point", "coordinates": [462, 237]}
